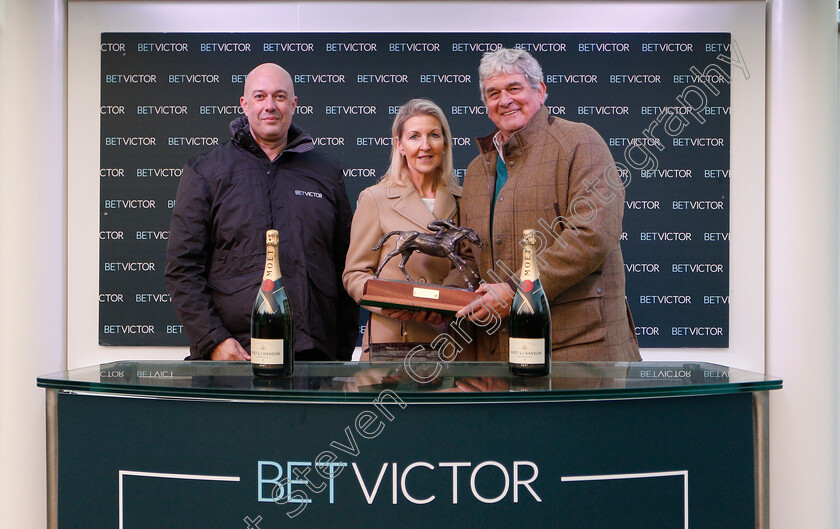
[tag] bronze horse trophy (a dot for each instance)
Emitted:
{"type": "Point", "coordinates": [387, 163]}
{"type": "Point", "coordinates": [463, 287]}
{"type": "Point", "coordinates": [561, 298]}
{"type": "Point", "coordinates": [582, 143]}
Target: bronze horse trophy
{"type": "Point", "coordinates": [443, 242]}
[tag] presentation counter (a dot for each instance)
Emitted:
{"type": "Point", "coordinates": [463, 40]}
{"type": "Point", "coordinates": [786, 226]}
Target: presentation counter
{"type": "Point", "coordinates": [427, 445]}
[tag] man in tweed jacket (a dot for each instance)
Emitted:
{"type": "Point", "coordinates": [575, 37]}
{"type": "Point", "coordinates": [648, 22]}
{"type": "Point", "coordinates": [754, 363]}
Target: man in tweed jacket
{"type": "Point", "coordinates": [558, 177]}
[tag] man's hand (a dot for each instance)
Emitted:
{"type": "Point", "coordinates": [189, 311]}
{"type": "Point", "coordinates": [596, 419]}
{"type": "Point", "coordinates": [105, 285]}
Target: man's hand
{"type": "Point", "coordinates": [496, 297]}
{"type": "Point", "coordinates": [229, 350]}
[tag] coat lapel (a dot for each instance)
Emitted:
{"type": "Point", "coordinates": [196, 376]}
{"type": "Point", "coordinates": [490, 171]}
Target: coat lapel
{"type": "Point", "coordinates": [408, 204]}
{"type": "Point", "coordinates": [445, 206]}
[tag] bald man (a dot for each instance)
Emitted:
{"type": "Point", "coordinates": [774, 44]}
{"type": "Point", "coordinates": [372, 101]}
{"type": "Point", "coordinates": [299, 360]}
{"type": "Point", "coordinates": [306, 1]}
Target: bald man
{"type": "Point", "coordinates": [267, 176]}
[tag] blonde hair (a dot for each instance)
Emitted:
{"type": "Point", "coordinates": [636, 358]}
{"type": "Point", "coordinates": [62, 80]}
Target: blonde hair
{"type": "Point", "coordinates": [398, 172]}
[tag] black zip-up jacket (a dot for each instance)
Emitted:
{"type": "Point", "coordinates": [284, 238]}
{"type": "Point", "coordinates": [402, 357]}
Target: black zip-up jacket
{"type": "Point", "coordinates": [226, 200]}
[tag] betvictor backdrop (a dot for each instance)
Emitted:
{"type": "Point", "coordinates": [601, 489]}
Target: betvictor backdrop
{"type": "Point", "coordinates": [660, 100]}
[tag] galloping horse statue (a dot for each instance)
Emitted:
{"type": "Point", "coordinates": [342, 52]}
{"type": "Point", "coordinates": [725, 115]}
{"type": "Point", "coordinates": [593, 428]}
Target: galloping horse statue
{"type": "Point", "coordinates": [442, 243]}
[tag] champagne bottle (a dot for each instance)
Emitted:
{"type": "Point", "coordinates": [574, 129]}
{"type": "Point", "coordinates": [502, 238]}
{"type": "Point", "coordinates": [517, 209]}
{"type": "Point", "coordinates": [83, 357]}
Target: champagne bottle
{"type": "Point", "coordinates": [272, 341]}
{"type": "Point", "coordinates": [530, 319]}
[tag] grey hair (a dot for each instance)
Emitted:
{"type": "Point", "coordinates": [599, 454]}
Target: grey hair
{"type": "Point", "coordinates": [397, 172]}
{"type": "Point", "coordinates": [507, 61]}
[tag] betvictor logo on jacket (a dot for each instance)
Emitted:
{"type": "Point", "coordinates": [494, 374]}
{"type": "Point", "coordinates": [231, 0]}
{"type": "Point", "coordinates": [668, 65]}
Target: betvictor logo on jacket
{"type": "Point", "coordinates": [311, 194]}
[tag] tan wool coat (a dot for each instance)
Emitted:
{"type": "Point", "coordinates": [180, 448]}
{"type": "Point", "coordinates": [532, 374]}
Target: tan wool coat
{"type": "Point", "coordinates": [382, 209]}
{"type": "Point", "coordinates": [556, 185]}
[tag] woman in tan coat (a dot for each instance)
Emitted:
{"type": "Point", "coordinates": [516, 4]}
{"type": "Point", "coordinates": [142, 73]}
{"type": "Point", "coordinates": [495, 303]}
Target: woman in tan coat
{"type": "Point", "coordinates": [418, 187]}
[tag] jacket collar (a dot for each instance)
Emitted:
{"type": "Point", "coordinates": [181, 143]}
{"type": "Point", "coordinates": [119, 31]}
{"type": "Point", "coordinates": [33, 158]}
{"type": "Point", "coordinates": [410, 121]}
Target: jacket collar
{"type": "Point", "coordinates": [407, 202]}
{"type": "Point", "coordinates": [299, 140]}
{"type": "Point", "coordinates": [520, 139]}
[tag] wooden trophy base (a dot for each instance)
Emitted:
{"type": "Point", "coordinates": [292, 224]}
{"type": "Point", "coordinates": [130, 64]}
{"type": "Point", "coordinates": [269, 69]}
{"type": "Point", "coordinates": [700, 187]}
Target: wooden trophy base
{"type": "Point", "coordinates": [393, 294]}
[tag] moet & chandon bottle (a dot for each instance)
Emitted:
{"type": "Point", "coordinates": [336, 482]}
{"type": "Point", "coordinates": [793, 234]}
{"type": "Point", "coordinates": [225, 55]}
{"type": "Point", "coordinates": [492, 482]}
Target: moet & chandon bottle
{"type": "Point", "coordinates": [272, 341]}
{"type": "Point", "coordinates": [530, 319]}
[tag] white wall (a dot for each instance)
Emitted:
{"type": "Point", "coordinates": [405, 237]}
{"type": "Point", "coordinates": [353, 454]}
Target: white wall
{"type": "Point", "coordinates": [744, 19]}
{"type": "Point", "coordinates": [802, 273]}
{"type": "Point", "coordinates": [32, 247]}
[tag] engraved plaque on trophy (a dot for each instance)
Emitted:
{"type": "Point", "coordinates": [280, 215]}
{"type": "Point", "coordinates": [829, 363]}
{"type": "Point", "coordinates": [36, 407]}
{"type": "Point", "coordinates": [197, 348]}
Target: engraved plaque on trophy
{"type": "Point", "coordinates": [410, 295]}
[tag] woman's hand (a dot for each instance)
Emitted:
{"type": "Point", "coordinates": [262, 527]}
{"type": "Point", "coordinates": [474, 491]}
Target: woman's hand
{"type": "Point", "coordinates": [427, 316]}
{"type": "Point", "coordinates": [398, 314]}
{"type": "Point", "coordinates": [420, 316]}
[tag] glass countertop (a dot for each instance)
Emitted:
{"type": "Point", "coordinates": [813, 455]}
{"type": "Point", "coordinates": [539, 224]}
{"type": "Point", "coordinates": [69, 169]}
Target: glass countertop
{"type": "Point", "coordinates": [417, 382]}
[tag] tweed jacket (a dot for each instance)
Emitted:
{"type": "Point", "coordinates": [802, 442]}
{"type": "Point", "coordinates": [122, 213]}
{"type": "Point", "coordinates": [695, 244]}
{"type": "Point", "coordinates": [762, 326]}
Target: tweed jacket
{"type": "Point", "coordinates": [382, 209]}
{"type": "Point", "coordinates": [556, 185]}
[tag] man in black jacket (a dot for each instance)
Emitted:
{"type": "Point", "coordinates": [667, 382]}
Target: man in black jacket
{"type": "Point", "coordinates": [268, 176]}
